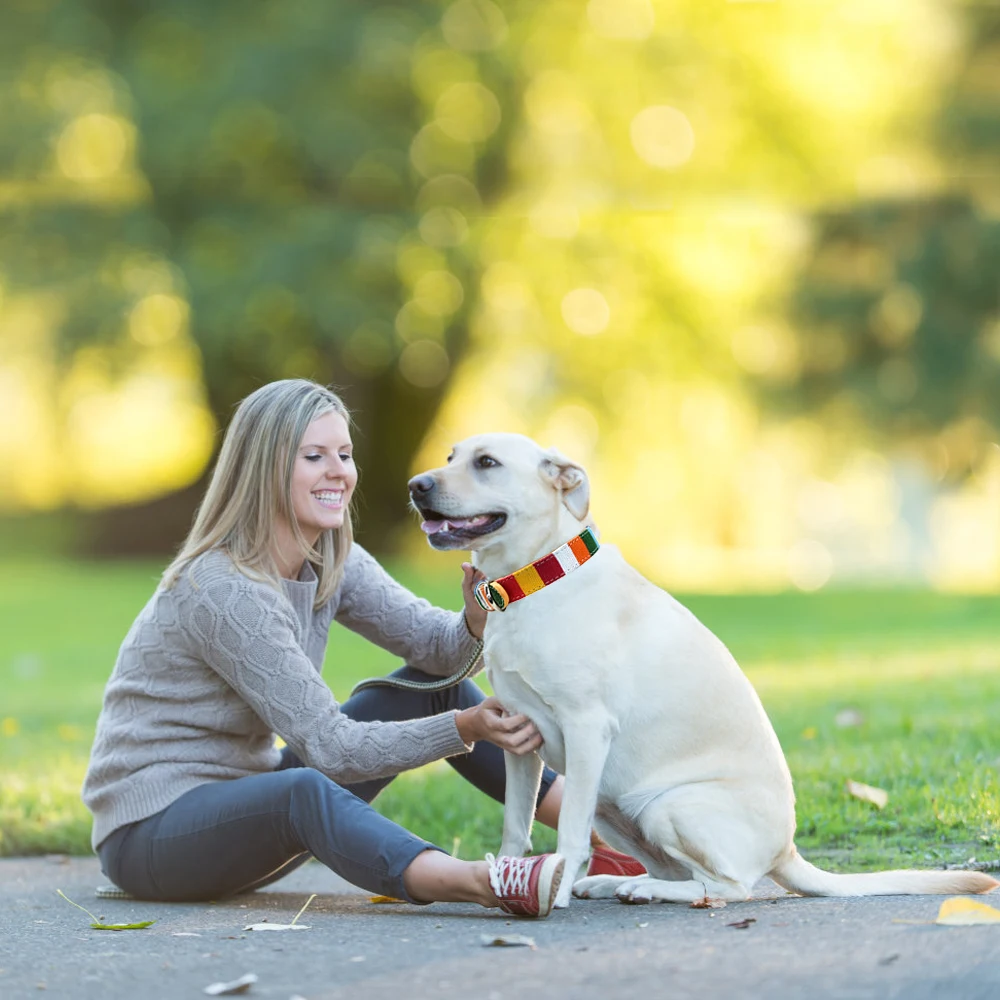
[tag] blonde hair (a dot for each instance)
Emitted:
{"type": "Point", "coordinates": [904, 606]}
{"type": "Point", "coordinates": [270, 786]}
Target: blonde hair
{"type": "Point", "coordinates": [251, 485]}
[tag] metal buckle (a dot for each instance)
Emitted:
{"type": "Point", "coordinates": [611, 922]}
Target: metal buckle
{"type": "Point", "coordinates": [491, 596]}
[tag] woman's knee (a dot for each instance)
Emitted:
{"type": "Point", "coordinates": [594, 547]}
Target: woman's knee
{"type": "Point", "coordinates": [312, 792]}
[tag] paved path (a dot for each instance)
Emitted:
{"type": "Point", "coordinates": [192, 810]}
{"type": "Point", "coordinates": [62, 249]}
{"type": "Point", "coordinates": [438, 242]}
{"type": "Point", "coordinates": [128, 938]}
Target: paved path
{"type": "Point", "coordinates": [794, 948]}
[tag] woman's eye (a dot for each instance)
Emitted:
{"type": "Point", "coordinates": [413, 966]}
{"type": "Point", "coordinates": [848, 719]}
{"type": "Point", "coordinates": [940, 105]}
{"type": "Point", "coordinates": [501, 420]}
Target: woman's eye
{"type": "Point", "coordinates": [486, 462]}
{"type": "Point", "coordinates": [346, 457]}
{"type": "Point", "coordinates": [312, 458]}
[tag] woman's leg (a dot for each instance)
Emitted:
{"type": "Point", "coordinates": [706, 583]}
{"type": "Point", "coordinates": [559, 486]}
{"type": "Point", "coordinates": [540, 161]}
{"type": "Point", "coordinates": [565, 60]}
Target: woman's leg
{"type": "Point", "coordinates": [230, 836]}
{"type": "Point", "coordinates": [484, 767]}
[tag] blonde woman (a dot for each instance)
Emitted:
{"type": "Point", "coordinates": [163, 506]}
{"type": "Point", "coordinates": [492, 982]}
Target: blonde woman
{"type": "Point", "coordinates": [190, 797]}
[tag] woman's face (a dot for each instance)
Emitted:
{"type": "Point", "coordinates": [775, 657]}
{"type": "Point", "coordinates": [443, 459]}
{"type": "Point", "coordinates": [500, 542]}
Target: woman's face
{"type": "Point", "coordinates": [324, 476]}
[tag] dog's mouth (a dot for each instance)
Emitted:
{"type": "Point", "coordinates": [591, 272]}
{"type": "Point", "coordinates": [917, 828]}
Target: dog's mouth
{"type": "Point", "coordinates": [447, 531]}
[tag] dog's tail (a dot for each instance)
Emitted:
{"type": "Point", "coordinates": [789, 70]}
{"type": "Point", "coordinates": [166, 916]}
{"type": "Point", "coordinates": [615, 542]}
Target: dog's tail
{"type": "Point", "coordinates": [795, 874]}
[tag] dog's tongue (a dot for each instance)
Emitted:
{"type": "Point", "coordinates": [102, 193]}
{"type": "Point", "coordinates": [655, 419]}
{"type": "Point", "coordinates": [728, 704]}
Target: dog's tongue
{"type": "Point", "coordinates": [433, 527]}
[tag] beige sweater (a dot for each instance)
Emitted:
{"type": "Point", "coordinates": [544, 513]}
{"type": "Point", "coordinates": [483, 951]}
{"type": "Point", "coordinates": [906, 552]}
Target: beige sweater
{"type": "Point", "coordinates": [214, 666]}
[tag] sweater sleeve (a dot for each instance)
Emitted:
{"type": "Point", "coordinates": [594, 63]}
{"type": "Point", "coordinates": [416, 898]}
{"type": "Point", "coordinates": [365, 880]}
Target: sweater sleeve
{"type": "Point", "coordinates": [246, 632]}
{"type": "Point", "coordinates": [382, 610]}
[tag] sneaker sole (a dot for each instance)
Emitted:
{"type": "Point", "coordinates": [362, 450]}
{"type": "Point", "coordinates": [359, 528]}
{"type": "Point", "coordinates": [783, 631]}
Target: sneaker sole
{"type": "Point", "coordinates": [549, 879]}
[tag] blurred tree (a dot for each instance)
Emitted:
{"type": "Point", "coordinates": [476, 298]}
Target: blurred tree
{"type": "Point", "coordinates": [660, 164]}
{"type": "Point", "coordinates": [601, 194]}
{"type": "Point", "coordinates": [257, 164]}
{"type": "Point", "coordinates": [898, 302]}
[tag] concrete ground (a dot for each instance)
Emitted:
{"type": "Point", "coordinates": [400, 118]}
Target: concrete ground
{"type": "Point", "coordinates": [789, 948]}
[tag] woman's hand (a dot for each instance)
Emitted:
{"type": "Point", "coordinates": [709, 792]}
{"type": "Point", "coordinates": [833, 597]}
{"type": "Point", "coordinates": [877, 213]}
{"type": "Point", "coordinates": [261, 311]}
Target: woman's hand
{"type": "Point", "coordinates": [475, 617]}
{"type": "Point", "coordinates": [488, 721]}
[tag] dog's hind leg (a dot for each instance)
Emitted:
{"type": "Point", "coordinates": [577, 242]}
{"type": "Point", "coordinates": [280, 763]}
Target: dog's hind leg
{"type": "Point", "coordinates": [601, 886]}
{"type": "Point", "coordinates": [648, 890]}
{"type": "Point", "coordinates": [707, 832]}
{"type": "Point", "coordinates": [524, 776]}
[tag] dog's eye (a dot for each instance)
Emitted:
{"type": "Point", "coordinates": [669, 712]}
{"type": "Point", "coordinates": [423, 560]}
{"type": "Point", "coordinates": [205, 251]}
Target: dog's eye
{"type": "Point", "coordinates": [486, 462]}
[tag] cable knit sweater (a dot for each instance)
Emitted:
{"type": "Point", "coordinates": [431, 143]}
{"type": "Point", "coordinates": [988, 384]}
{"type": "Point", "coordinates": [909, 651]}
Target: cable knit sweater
{"type": "Point", "coordinates": [218, 663]}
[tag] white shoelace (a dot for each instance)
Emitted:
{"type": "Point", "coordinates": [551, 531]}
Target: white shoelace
{"type": "Point", "coordinates": [509, 876]}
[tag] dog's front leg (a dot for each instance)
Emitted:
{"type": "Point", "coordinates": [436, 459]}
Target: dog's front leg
{"type": "Point", "coordinates": [587, 743]}
{"type": "Point", "coordinates": [524, 776]}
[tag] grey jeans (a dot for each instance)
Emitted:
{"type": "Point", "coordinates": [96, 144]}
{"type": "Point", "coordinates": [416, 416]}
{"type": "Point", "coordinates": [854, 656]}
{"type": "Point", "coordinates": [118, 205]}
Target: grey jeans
{"type": "Point", "coordinates": [227, 837]}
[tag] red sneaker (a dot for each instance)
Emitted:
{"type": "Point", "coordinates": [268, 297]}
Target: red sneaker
{"type": "Point", "coordinates": [526, 887]}
{"type": "Point", "coordinates": [605, 861]}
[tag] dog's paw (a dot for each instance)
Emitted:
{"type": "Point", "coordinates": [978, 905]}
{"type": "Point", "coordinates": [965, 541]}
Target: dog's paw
{"type": "Point", "coordinates": [636, 890]}
{"type": "Point", "coordinates": [598, 886]}
{"type": "Point", "coordinates": [563, 896]}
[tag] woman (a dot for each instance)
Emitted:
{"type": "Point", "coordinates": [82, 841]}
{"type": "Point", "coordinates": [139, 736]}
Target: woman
{"type": "Point", "coordinates": [191, 799]}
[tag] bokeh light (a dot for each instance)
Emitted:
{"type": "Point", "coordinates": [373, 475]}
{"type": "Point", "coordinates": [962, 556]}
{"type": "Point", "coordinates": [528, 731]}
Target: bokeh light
{"type": "Point", "coordinates": [94, 147]}
{"type": "Point", "coordinates": [586, 311]}
{"type": "Point", "coordinates": [662, 136]}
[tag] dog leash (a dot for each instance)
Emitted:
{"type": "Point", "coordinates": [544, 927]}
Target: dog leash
{"type": "Point", "coordinates": [405, 685]}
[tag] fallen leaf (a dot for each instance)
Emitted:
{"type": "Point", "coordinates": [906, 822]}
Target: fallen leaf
{"type": "Point", "coordinates": [878, 797]}
{"type": "Point", "coordinates": [849, 718]}
{"type": "Point", "coordinates": [960, 912]}
{"type": "Point", "coordinates": [708, 903]}
{"type": "Point", "coordinates": [241, 985]}
{"type": "Point", "coordinates": [98, 926]}
{"type": "Point", "coordinates": [385, 899]}
{"type": "Point", "coordinates": [293, 926]}
{"type": "Point", "coordinates": [277, 927]}
{"type": "Point", "coordinates": [742, 925]}
{"type": "Point", "coordinates": [507, 941]}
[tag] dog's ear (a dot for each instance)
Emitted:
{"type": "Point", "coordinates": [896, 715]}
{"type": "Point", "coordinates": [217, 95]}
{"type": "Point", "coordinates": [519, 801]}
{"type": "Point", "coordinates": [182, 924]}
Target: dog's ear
{"type": "Point", "coordinates": [571, 481]}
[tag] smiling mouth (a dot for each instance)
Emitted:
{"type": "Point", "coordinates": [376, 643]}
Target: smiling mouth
{"type": "Point", "coordinates": [331, 499]}
{"type": "Point", "coordinates": [446, 531]}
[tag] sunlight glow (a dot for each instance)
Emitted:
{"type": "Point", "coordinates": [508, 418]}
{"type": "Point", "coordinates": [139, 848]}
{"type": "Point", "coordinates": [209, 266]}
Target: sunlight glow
{"type": "Point", "coordinates": [95, 147]}
{"type": "Point", "coordinates": [663, 137]}
{"type": "Point", "coordinates": [629, 19]}
{"type": "Point", "coordinates": [586, 311]}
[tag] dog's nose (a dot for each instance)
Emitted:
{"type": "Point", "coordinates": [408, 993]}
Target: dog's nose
{"type": "Point", "coordinates": [421, 485]}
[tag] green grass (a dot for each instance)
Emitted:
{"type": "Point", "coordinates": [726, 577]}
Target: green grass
{"type": "Point", "coordinates": [921, 669]}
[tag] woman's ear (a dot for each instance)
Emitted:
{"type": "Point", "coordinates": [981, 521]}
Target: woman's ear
{"type": "Point", "coordinates": [571, 481]}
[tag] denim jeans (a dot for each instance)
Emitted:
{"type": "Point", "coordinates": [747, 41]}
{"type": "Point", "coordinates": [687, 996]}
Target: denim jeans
{"type": "Point", "coordinates": [226, 837]}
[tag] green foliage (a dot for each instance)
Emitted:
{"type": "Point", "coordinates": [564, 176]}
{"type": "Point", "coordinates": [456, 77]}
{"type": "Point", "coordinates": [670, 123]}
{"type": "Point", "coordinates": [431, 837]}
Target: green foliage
{"type": "Point", "coordinates": [896, 304]}
{"type": "Point", "coordinates": [918, 667]}
{"type": "Point", "coordinates": [264, 175]}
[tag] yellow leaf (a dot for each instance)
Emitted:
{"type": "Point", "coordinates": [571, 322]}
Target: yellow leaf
{"type": "Point", "coordinates": [878, 797]}
{"type": "Point", "coordinates": [385, 899]}
{"type": "Point", "coordinates": [959, 911]}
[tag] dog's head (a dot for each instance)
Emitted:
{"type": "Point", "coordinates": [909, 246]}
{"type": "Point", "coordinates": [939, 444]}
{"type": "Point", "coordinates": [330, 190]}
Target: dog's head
{"type": "Point", "coordinates": [497, 488]}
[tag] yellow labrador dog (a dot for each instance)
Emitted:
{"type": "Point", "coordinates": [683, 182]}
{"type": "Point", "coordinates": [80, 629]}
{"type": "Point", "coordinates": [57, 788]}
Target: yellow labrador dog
{"type": "Point", "coordinates": [665, 746]}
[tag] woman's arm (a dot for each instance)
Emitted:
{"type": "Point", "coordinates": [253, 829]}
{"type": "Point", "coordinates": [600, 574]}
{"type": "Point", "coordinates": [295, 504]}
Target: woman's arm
{"type": "Point", "coordinates": [247, 633]}
{"type": "Point", "coordinates": [374, 605]}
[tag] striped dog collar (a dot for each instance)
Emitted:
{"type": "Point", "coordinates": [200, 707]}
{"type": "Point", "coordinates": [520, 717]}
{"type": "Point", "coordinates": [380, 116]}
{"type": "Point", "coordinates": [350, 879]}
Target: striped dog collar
{"type": "Point", "coordinates": [495, 595]}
